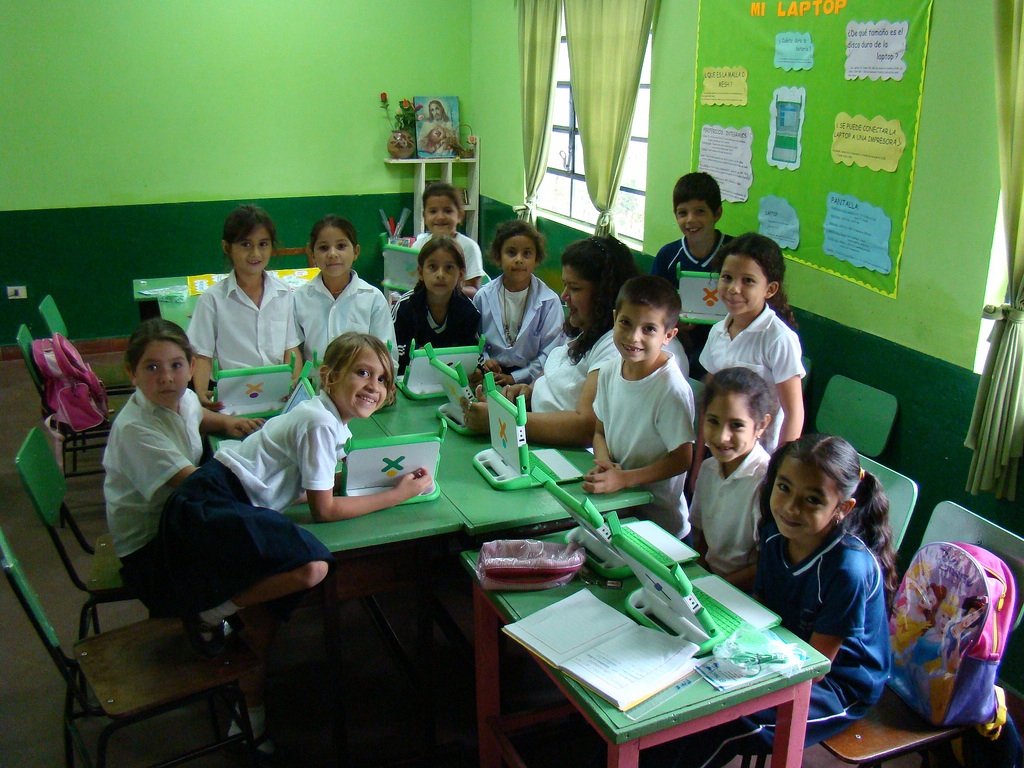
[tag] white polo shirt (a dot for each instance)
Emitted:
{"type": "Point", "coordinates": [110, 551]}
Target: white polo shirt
{"type": "Point", "coordinates": [229, 328]}
{"type": "Point", "coordinates": [767, 346]}
{"type": "Point", "coordinates": [560, 387]}
{"type": "Point", "coordinates": [725, 510]}
{"type": "Point", "coordinates": [470, 250]}
{"type": "Point", "coordinates": [293, 452]}
{"type": "Point", "coordinates": [148, 445]}
{"type": "Point", "coordinates": [320, 318]}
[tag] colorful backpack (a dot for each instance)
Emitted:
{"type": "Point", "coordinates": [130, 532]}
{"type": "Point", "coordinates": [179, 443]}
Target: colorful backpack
{"type": "Point", "coordinates": [71, 390]}
{"type": "Point", "coordinates": [952, 617]}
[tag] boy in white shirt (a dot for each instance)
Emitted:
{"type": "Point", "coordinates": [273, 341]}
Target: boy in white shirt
{"type": "Point", "coordinates": [644, 407]}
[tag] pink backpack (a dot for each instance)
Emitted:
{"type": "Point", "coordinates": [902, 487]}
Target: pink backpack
{"type": "Point", "coordinates": [71, 390]}
{"type": "Point", "coordinates": [952, 618]}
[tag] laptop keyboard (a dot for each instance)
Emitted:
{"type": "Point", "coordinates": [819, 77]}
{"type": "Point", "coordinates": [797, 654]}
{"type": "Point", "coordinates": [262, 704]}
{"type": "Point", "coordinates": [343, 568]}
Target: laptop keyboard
{"type": "Point", "coordinates": [726, 620]}
{"type": "Point", "coordinates": [641, 543]}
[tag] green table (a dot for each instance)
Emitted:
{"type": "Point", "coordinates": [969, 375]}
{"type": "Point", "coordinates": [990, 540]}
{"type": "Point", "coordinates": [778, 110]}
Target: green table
{"type": "Point", "coordinates": [179, 312]}
{"type": "Point", "coordinates": [483, 508]}
{"type": "Point", "coordinates": [695, 708]}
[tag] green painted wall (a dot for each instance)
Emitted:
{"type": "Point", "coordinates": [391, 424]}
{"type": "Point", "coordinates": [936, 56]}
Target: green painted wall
{"type": "Point", "coordinates": [953, 207]}
{"type": "Point", "coordinates": [113, 103]}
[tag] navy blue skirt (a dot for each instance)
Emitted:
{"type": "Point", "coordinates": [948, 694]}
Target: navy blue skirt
{"type": "Point", "coordinates": [213, 544]}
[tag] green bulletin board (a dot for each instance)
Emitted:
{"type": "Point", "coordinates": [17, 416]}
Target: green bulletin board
{"type": "Point", "coordinates": [806, 114]}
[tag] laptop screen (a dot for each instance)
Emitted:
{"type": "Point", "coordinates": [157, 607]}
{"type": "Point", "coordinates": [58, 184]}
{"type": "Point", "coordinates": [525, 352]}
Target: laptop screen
{"type": "Point", "coordinates": [508, 430]}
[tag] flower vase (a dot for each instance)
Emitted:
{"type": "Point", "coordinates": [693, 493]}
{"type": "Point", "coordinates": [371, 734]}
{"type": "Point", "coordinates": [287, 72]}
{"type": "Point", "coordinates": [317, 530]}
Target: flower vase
{"type": "Point", "coordinates": [401, 145]}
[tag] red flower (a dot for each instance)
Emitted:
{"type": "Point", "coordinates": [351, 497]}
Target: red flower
{"type": "Point", "coordinates": [384, 97]}
{"type": "Point", "coordinates": [406, 104]}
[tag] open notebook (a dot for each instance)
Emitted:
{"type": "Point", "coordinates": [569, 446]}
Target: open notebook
{"type": "Point", "coordinates": [509, 464]}
{"type": "Point", "coordinates": [705, 614]}
{"type": "Point", "coordinates": [595, 536]}
{"type": "Point", "coordinates": [377, 464]}
{"type": "Point", "coordinates": [699, 298]}
{"type": "Point", "coordinates": [419, 380]}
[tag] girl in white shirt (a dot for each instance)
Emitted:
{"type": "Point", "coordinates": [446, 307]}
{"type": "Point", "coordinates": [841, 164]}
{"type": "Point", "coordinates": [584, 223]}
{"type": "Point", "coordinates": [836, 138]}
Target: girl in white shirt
{"type": "Point", "coordinates": [737, 406]}
{"type": "Point", "coordinates": [245, 320]}
{"type": "Point", "coordinates": [442, 213]}
{"type": "Point", "coordinates": [520, 317]}
{"type": "Point", "coordinates": [759, 331]}
{"type": "Point", "coordinates": [338, 300]}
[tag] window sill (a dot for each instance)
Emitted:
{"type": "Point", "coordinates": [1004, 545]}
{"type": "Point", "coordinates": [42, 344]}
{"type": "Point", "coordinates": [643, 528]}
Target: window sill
{"type": "Point", "coordinates": [585, 229]}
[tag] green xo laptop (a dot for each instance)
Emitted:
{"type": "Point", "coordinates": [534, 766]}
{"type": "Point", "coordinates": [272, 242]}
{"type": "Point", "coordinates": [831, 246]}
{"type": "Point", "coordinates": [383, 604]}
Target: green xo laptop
{"type": "Point", "coordinates": [419, 381]}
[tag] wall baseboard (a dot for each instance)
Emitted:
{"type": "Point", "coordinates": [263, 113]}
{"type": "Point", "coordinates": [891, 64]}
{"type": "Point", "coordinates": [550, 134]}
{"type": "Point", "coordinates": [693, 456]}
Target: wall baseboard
{"type": "Point", "coordinates": [11, 352]}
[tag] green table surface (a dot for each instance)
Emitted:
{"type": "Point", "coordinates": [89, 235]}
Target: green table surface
{"type": "Point", "coordinates": [696, 700]}
{"type": "Point", "coordinates": [484, 508]}
{"type": "Point", "coordinates": [179, 312]}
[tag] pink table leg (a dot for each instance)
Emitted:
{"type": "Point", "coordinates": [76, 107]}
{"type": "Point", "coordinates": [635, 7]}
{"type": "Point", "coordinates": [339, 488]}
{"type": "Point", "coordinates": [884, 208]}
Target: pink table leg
{"type": "Point", "coordinates": [791, 726]}
{"type": "Point", "coordinates": [624, 755]}
{"type": "Point", "coordinates": [488, 691]}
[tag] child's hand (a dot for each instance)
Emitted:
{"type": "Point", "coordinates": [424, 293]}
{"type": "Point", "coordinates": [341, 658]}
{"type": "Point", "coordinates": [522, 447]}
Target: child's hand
{"type": "Point", "coordinates": [475, 378]}
{"type": "Point", "coordinates": [504, 379]}
{"type": "Point", "coordinates": [208, 402]}
{"type": "Point", "coordinates": [605, 477]}
{"type": "Point", "coordinates": [513, 390]}
{"type": "Point", "coordinates": [415, 483]}
{"type": "Point", "coordinates": [490, 366]}
{"type": "Point", "coordinates": [474, 416]}
{"type": "Point", "coordinates": [240, 427]}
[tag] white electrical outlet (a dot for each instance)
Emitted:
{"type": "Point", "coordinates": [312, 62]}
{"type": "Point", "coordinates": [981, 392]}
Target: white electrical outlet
{"type": "Point", "coordinates": [17, 292]}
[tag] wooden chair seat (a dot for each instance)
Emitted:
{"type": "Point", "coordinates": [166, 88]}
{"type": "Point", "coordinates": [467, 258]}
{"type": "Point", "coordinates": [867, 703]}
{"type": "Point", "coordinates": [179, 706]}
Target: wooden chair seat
{"type": "Point", "coordinates": [890, 729]}
{"type": "Point", "coordinates": [142, 666]}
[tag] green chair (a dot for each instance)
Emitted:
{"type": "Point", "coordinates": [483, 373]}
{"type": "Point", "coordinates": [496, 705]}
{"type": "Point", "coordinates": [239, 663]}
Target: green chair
{"type": "Point", "coordinates": [859, 413]}
{"type": "Point", "coordinates": [46, 487]}
{"type": "Point", "coordinates": [136, 673]}
{"type": "Point", "coordinates": [891, 728]}
{"type": "Point", "coordinates": [72, 443]}
{"type": "Point", "coordinates": [114, 377]}
{"type": "Point", "coordinates": [902, 493]}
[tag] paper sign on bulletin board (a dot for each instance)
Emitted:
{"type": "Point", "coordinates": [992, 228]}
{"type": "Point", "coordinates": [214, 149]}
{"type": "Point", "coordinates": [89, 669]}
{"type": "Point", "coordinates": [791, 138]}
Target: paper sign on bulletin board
{"type": "Point", "coordinates": [807, 114]}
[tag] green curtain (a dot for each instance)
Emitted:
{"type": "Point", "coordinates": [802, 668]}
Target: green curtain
{"type": "Point", "coordinates": [538, 54]}
{"type": "Point", "coordinates": [997, 427]}
{"type": "Point", "coordinates": [607, 40]}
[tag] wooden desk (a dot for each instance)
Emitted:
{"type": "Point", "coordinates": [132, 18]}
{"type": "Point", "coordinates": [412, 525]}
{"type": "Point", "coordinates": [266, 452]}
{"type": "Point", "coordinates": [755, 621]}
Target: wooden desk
{"type": "Point", "coordinates": [695, 708]}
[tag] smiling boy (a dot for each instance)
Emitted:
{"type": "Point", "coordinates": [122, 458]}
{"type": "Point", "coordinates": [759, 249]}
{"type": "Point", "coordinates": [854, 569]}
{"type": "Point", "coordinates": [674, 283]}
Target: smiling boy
{"type": "Point", "coordinates": [644, 407]}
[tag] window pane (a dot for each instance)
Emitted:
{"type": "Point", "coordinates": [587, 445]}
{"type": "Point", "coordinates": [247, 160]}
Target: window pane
{"type": "Point", "coordinates": [629, 215]}
{"type": "Point", "coordinates": [578, 166]}
{"type": "Point", "coordinates": [634, 171]}
{"type": "Point", "coordinates": [560, 112]}
{"type": "Point", "coordinates": [582, 208]}
{"type": "Point", "coordinates": [562, 63]}
{"type": "Point", "coordinates": [554, 194]}
{"type": "Point", "coordinates": [558, 150]}
{"type": "Point", "coordinates": [642, 114]}
{"type": "Point", "coordinates": [645, 70]}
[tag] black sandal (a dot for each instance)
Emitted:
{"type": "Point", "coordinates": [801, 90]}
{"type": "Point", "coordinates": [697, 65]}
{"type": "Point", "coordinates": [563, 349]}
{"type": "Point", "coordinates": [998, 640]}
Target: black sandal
{"type": "Point", "coordinates": [207, 640]}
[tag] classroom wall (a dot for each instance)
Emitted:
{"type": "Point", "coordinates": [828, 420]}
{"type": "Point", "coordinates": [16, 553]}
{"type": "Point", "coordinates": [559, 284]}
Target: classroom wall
{"type": "Point", "coordinates": [131, 129]}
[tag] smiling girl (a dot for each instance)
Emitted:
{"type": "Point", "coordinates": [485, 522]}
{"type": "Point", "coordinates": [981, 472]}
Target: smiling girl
{"type": "Point", "coordinates": [758, 333]}
{"type": "Point", "coordinates": [337, 300]}
{"type": "Point", "coordinates": [245, 320]}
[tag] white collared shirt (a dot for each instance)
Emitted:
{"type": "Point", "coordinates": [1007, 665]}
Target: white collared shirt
{"type": "Point", "coordinates": [725, 510]}
{"type": "Point", "coordinates": [148, 445]}
{"type": "Point", "coordinates": [470, 250]}
{"type": "Point", "coordinates": [229, 328]}
{"type": "Point", "coordinates": [320, 318]}
{"type": "Point", "coordinates": [293, 452]}
{"type": "Point", "coordinates": [767, 346]}
{"type": "Point", "coordinates": [539, 333]}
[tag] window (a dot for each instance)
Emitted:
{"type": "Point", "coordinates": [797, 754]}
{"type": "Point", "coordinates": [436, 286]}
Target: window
{"type": "Point", "coordinates": [564, 189]}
